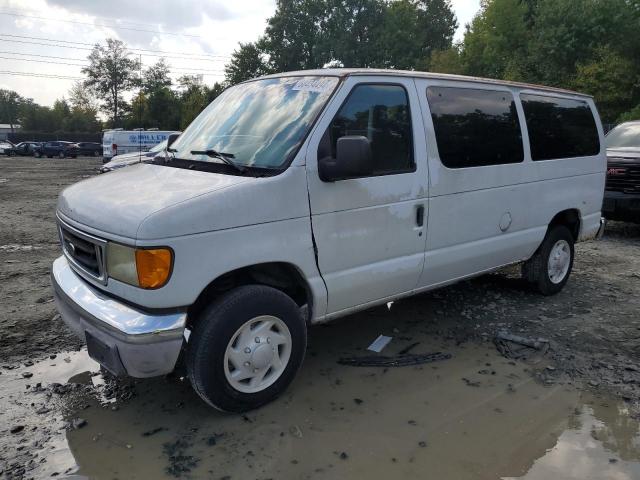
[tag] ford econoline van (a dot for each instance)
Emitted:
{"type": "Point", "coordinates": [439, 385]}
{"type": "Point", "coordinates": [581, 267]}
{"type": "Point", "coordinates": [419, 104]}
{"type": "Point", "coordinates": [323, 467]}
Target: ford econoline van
{"type": "Point", "coordinates": [297, 198]}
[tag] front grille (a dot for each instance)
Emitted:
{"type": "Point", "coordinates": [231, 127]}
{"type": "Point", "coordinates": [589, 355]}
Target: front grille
{"type": "Point", "coordinates": [85, 253]}
{"type": "Point", "coordinates": [623, 177]}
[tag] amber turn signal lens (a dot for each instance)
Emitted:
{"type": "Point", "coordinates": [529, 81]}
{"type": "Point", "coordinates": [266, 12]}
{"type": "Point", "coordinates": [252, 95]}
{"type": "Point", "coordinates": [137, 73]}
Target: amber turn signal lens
{"type": "Point", "coordinates": [153, 266]}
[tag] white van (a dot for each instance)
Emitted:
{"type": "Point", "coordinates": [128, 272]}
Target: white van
{"type": "Point", "coordinates": [301, 197]}
{"type": "Point", "coordinates": [118, 141]}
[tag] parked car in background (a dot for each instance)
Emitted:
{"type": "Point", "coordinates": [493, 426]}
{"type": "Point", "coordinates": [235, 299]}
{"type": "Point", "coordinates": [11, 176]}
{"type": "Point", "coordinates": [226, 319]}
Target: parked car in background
{"type": "Point", "coordinates": [6, 147]}
{"type": "Point", "coordinates": [126, 159]}
{"type": "Point", "coordinates": [302, 197]}
{"type": "Point", "coordinates": [622, 191]}
{"type": "Point", "coordinates": [92, 149]}
{"type": "Point", "coordinates": [57, 149]}
{"type": "Point", "coordinates": [26, 148]}
{"type": "Point", "coordinates": [118, 141]}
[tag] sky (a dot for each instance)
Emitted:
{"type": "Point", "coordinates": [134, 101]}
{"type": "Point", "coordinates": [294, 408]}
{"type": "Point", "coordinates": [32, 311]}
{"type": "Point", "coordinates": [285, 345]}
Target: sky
{"type": "Point", "coordinates": [50, 39]}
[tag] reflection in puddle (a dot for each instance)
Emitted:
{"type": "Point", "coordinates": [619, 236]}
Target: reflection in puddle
{"type": "Point", "coordinates": [336, 422]}
{"type": "Point", "coordinates": [601, 442]}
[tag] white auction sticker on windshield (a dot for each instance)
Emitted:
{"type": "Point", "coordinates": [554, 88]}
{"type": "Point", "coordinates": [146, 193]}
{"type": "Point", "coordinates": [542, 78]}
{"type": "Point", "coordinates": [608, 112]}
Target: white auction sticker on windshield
{"type": "Point", "coordinates": [319, 85]}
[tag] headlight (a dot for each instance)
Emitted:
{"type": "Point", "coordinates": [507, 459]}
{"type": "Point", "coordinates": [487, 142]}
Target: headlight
{"type": "Point", "coordinates": [142, 267]}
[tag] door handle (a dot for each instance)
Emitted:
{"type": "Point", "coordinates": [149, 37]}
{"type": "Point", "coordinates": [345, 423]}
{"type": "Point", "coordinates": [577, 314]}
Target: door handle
{"type": "Point", "coordinates": [420, 215]}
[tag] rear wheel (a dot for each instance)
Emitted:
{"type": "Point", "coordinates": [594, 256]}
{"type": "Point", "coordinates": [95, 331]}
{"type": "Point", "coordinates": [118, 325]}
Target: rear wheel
{"type": "Point", "coordinates": [246, 348]}
{"type": "Point", "coordinates": [549, 268]}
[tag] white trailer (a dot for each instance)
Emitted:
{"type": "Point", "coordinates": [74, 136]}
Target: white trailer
{"type": "Point", "coordinates": [118, 141]}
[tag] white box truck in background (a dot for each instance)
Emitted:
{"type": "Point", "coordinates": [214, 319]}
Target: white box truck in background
{"type": "Point", "coordinates": [119, 141]}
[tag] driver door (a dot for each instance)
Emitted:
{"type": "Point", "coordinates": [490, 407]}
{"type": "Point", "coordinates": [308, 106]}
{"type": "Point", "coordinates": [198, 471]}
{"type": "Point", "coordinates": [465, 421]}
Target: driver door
{"type": "Point", "coordinates": [370, 231]}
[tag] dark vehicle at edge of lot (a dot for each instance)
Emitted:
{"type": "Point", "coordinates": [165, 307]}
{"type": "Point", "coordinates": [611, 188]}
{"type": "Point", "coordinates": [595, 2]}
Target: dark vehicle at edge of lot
{"type": "Point", "coordinates": [57, 149]}
{"type": "Point", "coordinates": [622, 191]}
{"type": "Point", "coordinates": [89, 148]}
{"type": "Point", "coordinates": [27, 148]}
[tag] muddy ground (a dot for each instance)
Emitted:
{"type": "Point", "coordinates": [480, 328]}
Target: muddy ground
{"type": "Point", "coordinates": [571, 413]}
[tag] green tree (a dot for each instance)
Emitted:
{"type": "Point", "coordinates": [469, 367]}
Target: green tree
{"type": "Point", "coordinates": [633, 114]}
{"type": "Point", "coordinates": [60, 112]}
{"type": "Point", "coordinates": [496, 41]}
{"type": "Point", "coordinates": [247, 61]}
{"type": "Point", "coordinates": [84, 110]}
{"type": "Point", "coordinates": [36, 118]}
{"type": "Point", "coordinates": [570, 32]}
{"type": "Point", "coordinates": [110, 74]}
{"type": "Point", "coordinates": [352, 33]}
{"type": "Point", "coordinates": [293, 36]}
{"type": "Point", "coordinates": [447, 61]}
{"type": "Point", "coordinates": [10, 103]}
{"type": "Point", "coordinates": [82, 97]}
{"type": "Point", "coordinates": [162, 110]}
{"type": "Point", "coordinates": [612, 79]}
{"type": "Point", "coordinates": [414, 29]}
{"type": "Point", "coordinates": [156, 77]}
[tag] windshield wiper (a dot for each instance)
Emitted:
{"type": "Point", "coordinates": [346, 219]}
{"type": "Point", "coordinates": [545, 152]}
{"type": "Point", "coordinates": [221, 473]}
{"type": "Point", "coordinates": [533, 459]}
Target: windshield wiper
{"type": "Point", "coordinates": [225, 157]}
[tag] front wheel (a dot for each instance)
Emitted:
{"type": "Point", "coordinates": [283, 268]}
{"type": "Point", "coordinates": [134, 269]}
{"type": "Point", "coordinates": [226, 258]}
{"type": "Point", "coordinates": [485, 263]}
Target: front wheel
{"type": "Point", "coordinates": [549, 268]}
{"type": "Point", "coordinates": [246, 348]}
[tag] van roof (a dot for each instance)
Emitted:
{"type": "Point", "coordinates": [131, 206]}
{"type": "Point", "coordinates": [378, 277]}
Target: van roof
{"type": "Point", "coordinates": [347, 72]}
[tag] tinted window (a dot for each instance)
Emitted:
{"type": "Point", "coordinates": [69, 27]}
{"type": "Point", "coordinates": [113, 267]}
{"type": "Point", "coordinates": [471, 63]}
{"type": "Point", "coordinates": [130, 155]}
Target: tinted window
{"type": "Point", "coordinates": [381, 113]}
{"type": "Point", "coordinates": [475, 127]}
{"type": "Point", "coordinates": [559, 127]}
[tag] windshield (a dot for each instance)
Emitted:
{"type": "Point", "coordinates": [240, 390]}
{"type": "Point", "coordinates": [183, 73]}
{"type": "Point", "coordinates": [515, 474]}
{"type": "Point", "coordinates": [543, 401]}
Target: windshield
{"type": "Point", "coordinates": [256, 124]}
{"type": "Point", "coordinates": [159, 147]}
{"type": "Point", "coordinates": [626, 135]}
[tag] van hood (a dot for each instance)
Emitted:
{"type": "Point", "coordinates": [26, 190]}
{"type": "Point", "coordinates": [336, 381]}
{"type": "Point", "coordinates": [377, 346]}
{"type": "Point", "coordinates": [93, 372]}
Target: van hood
{"type": "Point", "coordinates": [120, 201]}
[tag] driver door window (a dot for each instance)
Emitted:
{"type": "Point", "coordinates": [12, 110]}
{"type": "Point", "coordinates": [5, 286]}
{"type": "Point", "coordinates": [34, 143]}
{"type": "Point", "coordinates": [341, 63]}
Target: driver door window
{"type": "Point", "coordinates": [380, 113]}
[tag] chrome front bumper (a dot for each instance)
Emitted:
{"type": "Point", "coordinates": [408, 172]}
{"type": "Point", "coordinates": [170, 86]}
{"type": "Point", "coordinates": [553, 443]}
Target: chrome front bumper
{"type": "Point", "coordinates": [124, 340]}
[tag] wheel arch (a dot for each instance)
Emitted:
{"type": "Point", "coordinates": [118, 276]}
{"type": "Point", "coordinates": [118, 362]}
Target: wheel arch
{"type": "Point", "coordinates": [282, 276]}
{"type": "Point", "coordinates": [569, 218]}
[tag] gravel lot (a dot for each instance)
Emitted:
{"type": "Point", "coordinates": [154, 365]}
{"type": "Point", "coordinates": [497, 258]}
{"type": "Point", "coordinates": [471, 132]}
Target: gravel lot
{"type": "Point", "coordinates": [593, 365]}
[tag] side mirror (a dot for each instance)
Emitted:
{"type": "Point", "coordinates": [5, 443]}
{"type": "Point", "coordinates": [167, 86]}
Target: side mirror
{"type": "Point", "coordinates": [172, 138]}
{"type": "Point", "coordinates": [353, 159]}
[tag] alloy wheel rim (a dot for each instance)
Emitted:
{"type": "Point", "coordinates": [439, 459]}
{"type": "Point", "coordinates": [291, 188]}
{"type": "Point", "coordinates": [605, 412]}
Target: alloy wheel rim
{"type": "Point", "coordinates": [559, 261]}
{"type": "Point", "coordinates": [257, 354]}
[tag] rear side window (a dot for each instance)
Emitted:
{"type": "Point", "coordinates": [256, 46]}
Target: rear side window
{"type": "Point", "coordinates": [474, 127]}
{"type": "Point", "coordinates": [559, 127]}
{"type": "Point", "coordinates": [381, 113]}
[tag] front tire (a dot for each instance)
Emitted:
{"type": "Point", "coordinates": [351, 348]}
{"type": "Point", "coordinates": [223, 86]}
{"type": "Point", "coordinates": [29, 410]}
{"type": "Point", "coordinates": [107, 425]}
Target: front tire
{"type": "Point", "coordinates": [550, 267]}
{"type": "Point", "coordinates": [246, 348]}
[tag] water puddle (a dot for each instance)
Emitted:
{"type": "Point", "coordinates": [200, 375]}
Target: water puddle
{"type": "Point", "coordinates": [600, 442]}
{"type": "Point", "coordinates": [475, 416]}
